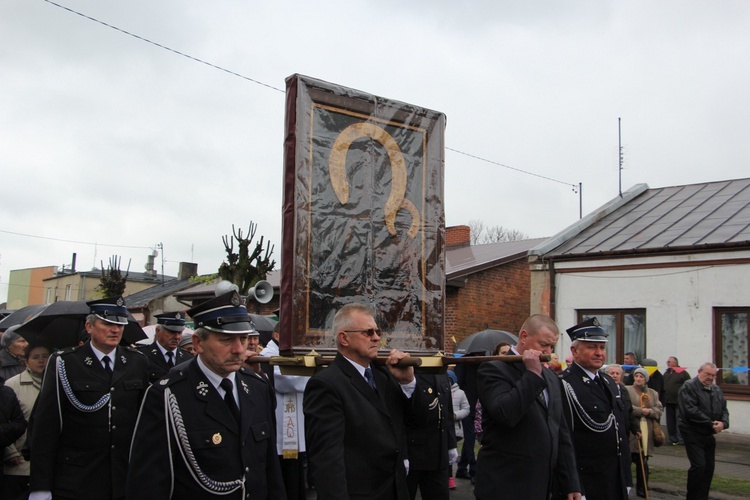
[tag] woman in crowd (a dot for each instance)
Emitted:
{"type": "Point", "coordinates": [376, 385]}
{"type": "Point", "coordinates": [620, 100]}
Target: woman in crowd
{"type": "Point", "coordinates": [648, 408]}
{"type": "Point", "coordinates": [11, 357]}
{"type": "Point", "coordinates": [26, 385]}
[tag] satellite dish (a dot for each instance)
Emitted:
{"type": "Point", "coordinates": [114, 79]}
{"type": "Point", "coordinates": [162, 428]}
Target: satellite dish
{"type": "Point", "coordinates": [225, 286]}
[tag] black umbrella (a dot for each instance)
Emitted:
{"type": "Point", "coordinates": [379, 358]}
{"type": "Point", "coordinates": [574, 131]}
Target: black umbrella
{"type": "Point", "coordinates": [19, 316]}
{"type": "Point", "coordinates": [484, 342]}
{"type": "Point", "coordinates": [62, 323]}
{"type": "Point", "coordinates": [265, 326]}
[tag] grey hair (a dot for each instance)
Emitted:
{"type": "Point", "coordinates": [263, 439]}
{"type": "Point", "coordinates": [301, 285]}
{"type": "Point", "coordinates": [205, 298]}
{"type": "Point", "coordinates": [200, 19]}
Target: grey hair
{"type": "Point", "coordinates": [202, 333]}
{"type": "Point", "coordinates": [613, 365]}
{"type": "Point", "coordinates": [705, 365]}
{"type": "Point", "coordinates": [342, 319]}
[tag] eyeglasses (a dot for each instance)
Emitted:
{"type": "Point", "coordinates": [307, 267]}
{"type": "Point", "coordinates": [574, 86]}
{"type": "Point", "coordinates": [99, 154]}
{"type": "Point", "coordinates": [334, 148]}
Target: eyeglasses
{"type": "Point", "coordinates": [368, 331]}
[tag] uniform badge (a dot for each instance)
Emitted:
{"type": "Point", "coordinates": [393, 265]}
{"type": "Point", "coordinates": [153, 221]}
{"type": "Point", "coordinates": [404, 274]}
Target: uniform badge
{"type": "Point", "coordinates": [120, 302]}
{"type": "Point", "coordinates": [153, 351]}
{"type": "Point", "coordinates": [586, 380]}
{"type": "Point", "coordinates": [216, 438]}
{"type": "Point", "coordinates": [124, 360]}
{"type": "Point", "coordinates": [88, 360]}
{"type": "Point", "coordinates": [203, 390]}
{"type": "Point", "coordinates": [164, 381]}
{"type": "Point", "coordinates": [244, 387]}
{"type": "Point", "coordinates": [429, 390]}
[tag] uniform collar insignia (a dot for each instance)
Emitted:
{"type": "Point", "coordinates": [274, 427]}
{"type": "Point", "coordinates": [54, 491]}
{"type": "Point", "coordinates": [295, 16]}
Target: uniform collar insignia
{"type": "Point", "coordinates": [124, 359]}
{"type": "Point", "coordinates": [164, 381]}
{"type": "Point", "coordinates": [244, 387]}
{"type": "Point", "coordinates": [154, 351]}
{"type": "Point", "coordinates": [202, 388]}
{"type": "Point", "coordinates": [586, 380]}
{"type": "Point", "coordinates": [88, 360]}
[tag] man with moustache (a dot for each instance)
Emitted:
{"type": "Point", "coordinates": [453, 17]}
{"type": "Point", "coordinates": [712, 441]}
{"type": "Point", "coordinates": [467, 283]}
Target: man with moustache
{"type": "Point", "coordinates": [595, 416]}
{"type": "Point", "coordinates": [207, 428]}
{"type": "Point", "coordinates": [165, 353]}
{"type": "Point", "coordinates": [526, 443]}
{"type": "Point", "coordinates": [86, 412]}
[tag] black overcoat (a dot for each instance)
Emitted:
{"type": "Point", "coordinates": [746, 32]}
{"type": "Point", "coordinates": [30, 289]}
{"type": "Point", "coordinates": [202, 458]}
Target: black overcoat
{"type": "Point", "coordinates": [157, 365]}
{"type": "Point", "coordinates": [79, 453]}
{"type": "Point", "coordinates": [526, 442]}
{"type": "Point", "coordinates": [355, 436]}
{"type": "Point", "coordinates": [603, 458]}
{"type": "Point", "coordinates": [223, 450]}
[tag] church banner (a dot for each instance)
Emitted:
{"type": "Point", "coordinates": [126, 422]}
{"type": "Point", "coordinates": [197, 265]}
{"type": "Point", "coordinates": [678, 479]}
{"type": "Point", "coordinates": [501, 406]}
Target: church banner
{"type": "Point", "coordinates": [363, 217]}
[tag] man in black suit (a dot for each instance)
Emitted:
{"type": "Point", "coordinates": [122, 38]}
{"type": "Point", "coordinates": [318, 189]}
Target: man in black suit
{"type": "Point", "coordinates": [526, 444]}
{"type": "Point", "coordinates": [595, 416]}
{"type": "Point", "coordinates": [355, 412]}
{"type": "Point", "coordinates": [164, 353]}
{"type": "Point", "coordinates": [86, 412]}
{"type": "Point", "coordinates": [207, 428]}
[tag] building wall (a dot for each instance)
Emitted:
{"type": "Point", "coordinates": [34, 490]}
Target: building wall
{"type": "Point", "coordinates": [83, 287]}
{"type": "Point", "coordinates": [498, 298]}
{"type": "Point", "coordinates": [26, 286]}
{"type": "Point", "coordinates": [679, 304]}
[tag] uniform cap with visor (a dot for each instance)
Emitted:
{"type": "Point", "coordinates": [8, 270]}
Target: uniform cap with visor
{"type": "Point", "coordinates": [112, 310]}
{"type": "Point", "coordinates": [223, 314]}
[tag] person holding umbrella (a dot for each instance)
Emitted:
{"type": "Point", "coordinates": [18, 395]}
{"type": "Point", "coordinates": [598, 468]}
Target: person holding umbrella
{"type": "Point", "coordinates": [86, 412]}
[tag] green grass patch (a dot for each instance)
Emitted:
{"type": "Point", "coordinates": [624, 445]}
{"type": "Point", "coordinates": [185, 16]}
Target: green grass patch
{"type": "Point", "coordinates": [677, 477]}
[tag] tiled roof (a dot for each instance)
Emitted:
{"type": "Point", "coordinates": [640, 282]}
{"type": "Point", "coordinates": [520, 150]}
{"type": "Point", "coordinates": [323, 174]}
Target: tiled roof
{"type": "Point", "coordinates": [711, 215]}
{"type": "Point", "coordinates": [462, 261]}
{"type": "Point", "coordinates": [143, 297]}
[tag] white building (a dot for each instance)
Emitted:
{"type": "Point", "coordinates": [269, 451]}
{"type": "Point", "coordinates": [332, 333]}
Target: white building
{"type": "Point", "coordinates": [667, 273]}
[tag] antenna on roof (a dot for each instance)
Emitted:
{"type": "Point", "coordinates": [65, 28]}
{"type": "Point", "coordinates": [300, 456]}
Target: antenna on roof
{"type": "Point", "coordinates": [619, 138]}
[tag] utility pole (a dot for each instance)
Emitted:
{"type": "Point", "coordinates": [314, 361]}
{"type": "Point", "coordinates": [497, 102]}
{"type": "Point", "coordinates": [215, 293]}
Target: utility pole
{"type": "Point", "coordinates": [619, 169]}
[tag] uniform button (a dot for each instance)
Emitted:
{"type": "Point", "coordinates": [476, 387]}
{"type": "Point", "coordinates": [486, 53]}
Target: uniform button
{"type": "Point", "coordinates": [114, 427]}
{"type": "Point", "coordinates": [114, 408]}
{"type": "Point", "coordinates": [247, 469]}
{"type": "Point", "coordinates": [111, 389]}
{"type": "Point", "coordinates": [263, 433]}
{"type": "Point", "coordinates": [113, 447]}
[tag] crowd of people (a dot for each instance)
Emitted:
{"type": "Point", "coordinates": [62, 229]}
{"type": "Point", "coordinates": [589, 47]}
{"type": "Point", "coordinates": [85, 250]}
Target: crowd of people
{"type": "Point", "coordinates": [192, 416]}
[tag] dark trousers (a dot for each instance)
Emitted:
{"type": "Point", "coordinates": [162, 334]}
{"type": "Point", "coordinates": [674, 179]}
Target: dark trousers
{"type": "Point", "coordinates": [672, 429]}
{"type": "Point", "coordinates": [641, 482]}
{"type": "Point", "coordinates": [293, 472]}
{"type": "Point", "coordinates": [467, 462]}
{"type": "Point", "coordinates": [701, 451]}
{"type": "Point", "coordinates": [431, 484]}
{"type": "Point", "coordinates": [15, 487]}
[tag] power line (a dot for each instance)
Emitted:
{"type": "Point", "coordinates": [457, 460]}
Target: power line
{"type": "Point", "coordinates": [73, 241]}
{"type": "Point", "coordinates": [574, 186]}
{"type": "Point", "coordinates": [164, 46]}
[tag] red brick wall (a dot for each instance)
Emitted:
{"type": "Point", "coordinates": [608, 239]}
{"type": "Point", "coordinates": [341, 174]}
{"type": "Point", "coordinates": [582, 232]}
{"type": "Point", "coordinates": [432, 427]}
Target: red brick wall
{"type": "Point", "coordinates": [457, 236]}
{"type": "Point", "coordinates": [498, 298]}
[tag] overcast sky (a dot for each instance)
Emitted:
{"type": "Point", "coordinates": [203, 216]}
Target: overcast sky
{"type": "Point", "coordinates": [109, 140]}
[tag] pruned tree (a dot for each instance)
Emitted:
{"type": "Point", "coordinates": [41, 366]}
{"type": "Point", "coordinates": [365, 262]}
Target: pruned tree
{"type": "Point", "coordinates": [246, 268]}
{"type": "Point", "coordinates": [481, 233]}
{"type": "Point", "coordinates": [112, 283]}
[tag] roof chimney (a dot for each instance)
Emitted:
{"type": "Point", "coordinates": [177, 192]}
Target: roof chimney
{"type": "Point", "coordinates": [187, 270]}
{"type": "Point", "coordinates": [457, 236]}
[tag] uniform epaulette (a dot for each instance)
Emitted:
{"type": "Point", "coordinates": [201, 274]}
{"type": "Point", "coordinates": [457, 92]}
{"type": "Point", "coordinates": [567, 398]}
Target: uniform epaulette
{"type": "Point", "coordinates": [132, 349]}
{"type": "Point", "coordinates": [67, 350]}
{"type": "Point", "coordinates": [171, 378]}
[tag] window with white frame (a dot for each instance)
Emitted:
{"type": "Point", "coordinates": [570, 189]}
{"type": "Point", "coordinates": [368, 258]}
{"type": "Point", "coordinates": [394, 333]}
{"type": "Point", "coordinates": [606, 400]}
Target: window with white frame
{"type": "Point", "coordinates": [731, 354]}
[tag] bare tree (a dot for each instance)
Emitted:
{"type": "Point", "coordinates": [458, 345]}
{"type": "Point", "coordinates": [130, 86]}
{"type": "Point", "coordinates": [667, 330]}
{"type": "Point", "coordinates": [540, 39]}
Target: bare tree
{"type": "Point", "coordinates": [112, 283]}
{"type": "Point", "coordinates": [481, 233]}
{"type": "Point", "coordinates": [245, 269]}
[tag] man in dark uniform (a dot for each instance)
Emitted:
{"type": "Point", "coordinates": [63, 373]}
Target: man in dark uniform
{"type": "Point", "coordinates": [164, 353]}
{"type": "Point", "coordinates": [207, 428]}
{"type": "Point", "coordinates": [86, 412]}
{"type": "Point", "coordinates": [432, 446]}
{"type": "Point", "coordinates": [595, 416]}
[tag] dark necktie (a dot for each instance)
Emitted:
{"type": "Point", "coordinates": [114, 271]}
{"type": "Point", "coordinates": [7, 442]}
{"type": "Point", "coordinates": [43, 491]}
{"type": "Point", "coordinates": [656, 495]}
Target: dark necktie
{"type": "Point", "coordinates": [226, 384]}
{"type": "Point", "coordinates": [370, 379]}
{"type": "Point", "coordinates": [107, 367]}
{"type": "Point", "coordinates": [170, 361]}
{"type": "Point", "coordinates": [600, 383]}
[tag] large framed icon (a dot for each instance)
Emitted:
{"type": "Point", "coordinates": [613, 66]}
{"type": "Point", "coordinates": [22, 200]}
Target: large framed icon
{"type": "Point", "coordinates": [363, 217]}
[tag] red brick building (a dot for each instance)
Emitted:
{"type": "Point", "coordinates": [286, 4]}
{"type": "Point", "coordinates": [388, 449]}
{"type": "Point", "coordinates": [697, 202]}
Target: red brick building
{"type": "Point", "coordinates": [487, 286]}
